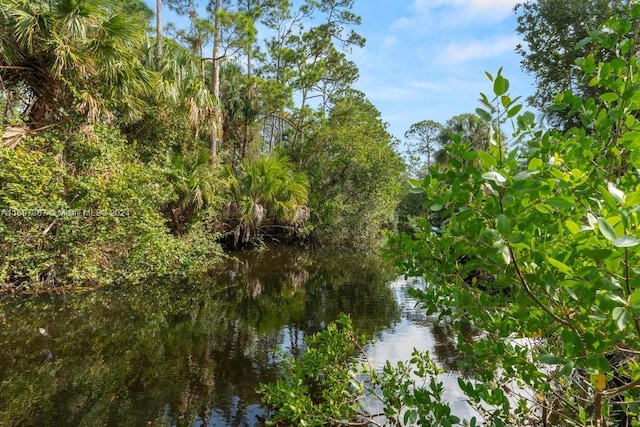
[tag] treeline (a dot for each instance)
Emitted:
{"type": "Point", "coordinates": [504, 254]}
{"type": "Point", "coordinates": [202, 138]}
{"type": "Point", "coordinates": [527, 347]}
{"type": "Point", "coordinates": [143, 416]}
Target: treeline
{"type": "Point", "coordinates": [129, 152]}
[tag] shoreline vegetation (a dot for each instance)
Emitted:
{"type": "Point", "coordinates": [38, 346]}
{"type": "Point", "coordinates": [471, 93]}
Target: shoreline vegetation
{"type": "Point", "coordinates": [127, 155]}
{"type": "Point", "coordinates": [523, 227]}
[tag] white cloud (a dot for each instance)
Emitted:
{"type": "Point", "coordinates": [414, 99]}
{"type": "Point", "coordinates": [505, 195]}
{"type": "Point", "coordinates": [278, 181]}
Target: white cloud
{"type": "Point", "coordinates": [389, 41]}
{"type": "Point", "coordinates": [403, 24]}
{"type": "Point", "coordinates": [487, 6]}
{"type": "Point", "coordinates": [496, 8]}
{"type": "Point", "coordinates": [458, 12]}
{"type": "Point", "coordinates": [459, 52]}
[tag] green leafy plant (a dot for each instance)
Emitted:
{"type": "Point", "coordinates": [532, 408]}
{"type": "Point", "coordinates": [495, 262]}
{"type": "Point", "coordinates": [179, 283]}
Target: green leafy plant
{"type": "Point", "coordinates": [265, 191]}
{"type": "Point", "coordinates": [321, 387]}
{"type": "Point", "coordinates": [78, 209]}
{"type": "Point", "coordinates": [539, 248]}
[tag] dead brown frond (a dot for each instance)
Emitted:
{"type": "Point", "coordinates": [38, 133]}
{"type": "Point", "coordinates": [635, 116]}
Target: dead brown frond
{"type": "Point", "coordinates": [13, 134]}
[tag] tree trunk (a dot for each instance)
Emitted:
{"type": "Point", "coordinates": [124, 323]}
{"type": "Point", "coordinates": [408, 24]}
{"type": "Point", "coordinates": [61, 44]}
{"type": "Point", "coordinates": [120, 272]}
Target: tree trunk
{"type": "Point", "coordinates": [215, 85]}
{"type": "Point", "coordinates": [158, 33]}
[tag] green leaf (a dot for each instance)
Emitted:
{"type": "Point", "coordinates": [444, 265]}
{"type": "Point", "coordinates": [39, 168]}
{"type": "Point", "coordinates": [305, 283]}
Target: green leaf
{"type": "Point", "coordinates": [559, 202]}
{"type": "Point", "coordinates": [500, 85]}
{"type": "Point", "coordinates": [551, 359]}
{"type": "Point", "coordinates": [416, 190]}
{"type": "Point", "coordinates": [606, 229]}
{"type": "Point", "coordinates": [463, 215]}
{"type": "Point", "coordinates": [615, 192]}
{"type": "Point", "coordinates": [566, 370]}
{"type": "Point", "coordinates": [634, 299]}
{"type": "Point", "coordinates": [526, 184]}
{"type": "Point", "coordinates": [542, 208]}
{"type": "Point", "coordinates": [582, 43]}
{"type": "Point", "coordinates": [609, 199]}
{"type": "Point", "coordinates": [609, 97]}
{"type": "Point", "coordinates": [436, 207]}
{"type": "Point", "coordinates": [619, 315]}
{"type": "Point", "coordinates": [494, 176]}
{"type": "Point", "coordinates": [535, 164]}
{"type": "Point", "coordinates": [470, 155]}
{"type": "Point", "coordinates": [573, 227]}
{"type": "Point", "coordinates": [487, 159]}
{"type": "Point", "coordinates": [525, 174]}
{"type": "Point", "coordinates": [513, 111]}
{"type": "Point", "coordinates": [506, 254]}
{"type": "Point", "coordinates": [504, 225]}
{"type": "Point", "coordinates": [484, 114]}
{"type": "Point", "coordinates": [560, 265]}
{"type": "Point", "coordinates": [625, 241]}
{"type": "Point", "coordinates": [599, 254]}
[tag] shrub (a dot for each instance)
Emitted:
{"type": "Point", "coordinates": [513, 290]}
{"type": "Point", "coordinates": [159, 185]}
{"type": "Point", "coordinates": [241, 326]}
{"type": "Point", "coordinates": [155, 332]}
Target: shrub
{"type": "Point", "coordinates": [83, 211]}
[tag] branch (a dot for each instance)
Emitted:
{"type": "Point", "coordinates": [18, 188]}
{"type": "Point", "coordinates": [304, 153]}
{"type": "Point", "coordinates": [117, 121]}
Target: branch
{"type": "Point", "coordinates": [533, 296]}
{"type": "Point", "coordinates": [616, 391]}
{"type": "Point", "coordinates": [15, 67]}
{"type": "Point", "coordinates": [627, 282]}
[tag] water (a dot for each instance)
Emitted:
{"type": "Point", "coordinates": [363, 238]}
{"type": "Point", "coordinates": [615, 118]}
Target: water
{"type": "Point", "coordinates": [193, 353]}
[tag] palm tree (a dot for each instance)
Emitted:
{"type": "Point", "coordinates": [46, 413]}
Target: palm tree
{"type": "Point", "coordinates": [266, 190]}
{"type": "Point", "coordinates": [71, 55]}
{"type": "Point", "coordinates": [469, 128]}
{"type": "Point", "coordinates": [182, 87]}
{"type": "Point", "coordinates": [195, 182]}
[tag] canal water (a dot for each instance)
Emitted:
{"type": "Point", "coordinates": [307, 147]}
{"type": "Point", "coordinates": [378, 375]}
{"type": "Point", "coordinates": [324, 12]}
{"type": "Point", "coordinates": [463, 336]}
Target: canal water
{"type": "Point", "coordinates": [193, 353]}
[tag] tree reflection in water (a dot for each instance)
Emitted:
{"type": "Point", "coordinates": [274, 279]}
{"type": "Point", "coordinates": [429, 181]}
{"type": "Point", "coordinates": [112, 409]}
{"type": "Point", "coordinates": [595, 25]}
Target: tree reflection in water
{"type": "Point", "coordinates": [188, 353]}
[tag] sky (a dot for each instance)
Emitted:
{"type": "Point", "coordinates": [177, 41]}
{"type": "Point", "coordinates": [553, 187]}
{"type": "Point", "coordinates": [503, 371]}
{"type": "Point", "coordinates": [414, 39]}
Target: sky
{"type": "Point", "coordinates": [426, 59]}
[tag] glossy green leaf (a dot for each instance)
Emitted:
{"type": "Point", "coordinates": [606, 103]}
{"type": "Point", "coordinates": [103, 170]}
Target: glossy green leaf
{"type": "Point", "coordinates": [606, 229]}
{"type": "Point", "coordinates": [551, 359]}
{"type": "Point", "coordinates": [619, 315]}
{"type": "Point", "coordinates": [599, 254]}
{"type": "Point", "coordinates": [572, 226]}
{"type": "Point", "coordinates": [504, 225]}
{"type": "Point", "coordinates": [543, 208]}
{"type": "Point", "coordinates": [615, 192]}
{"type": "Point", "coordinates": [504, 251]}
{"type": "Point", "coordinates": [626, 241]}
{"type": "Point", "coordinates": [487, 159]}
{"type": "Point", "coordinates": [514, 111]}
{"type": "Point", "coordinates": [494, 176]}
{"type": "Point", "coordinates": [535, 164]}
{"type": "Point", "coordinates": [560, 265]}
{"type": "Point", "coordinates": [500, 85]}
{"type": "Point", "coordinates": [559, 202]}
{"type": "Point", "coordinates": [526, 185]}
{"type": "Point", "coordinates": [483, 114]}
{"type": "Point", "coordinates": [525, 174]}
{"type": "Point", "coordinates": [582, 43]}
{"type": "Point", "coordinates": [634, 299]}
{"type": "Point", "coordinates": [609, 97]}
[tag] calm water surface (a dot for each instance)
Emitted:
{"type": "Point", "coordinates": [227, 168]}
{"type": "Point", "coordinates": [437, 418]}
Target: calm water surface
{"type": "Point", "coordinates": [193, 353]}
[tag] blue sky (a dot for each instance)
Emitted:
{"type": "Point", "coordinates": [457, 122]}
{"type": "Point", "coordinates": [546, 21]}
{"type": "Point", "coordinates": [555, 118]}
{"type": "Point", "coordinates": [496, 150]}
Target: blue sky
{"type": "Point", "coordinates": [426, 59]}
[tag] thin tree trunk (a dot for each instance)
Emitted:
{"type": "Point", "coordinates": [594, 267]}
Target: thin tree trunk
{"type": "Point", "coordinates": [158, 33]}
{"type": "Point", "coordinates": [215, 85]}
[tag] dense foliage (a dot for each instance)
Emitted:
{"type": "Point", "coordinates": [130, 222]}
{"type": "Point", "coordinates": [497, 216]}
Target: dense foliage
{"type": "Point", "coordinates": [538, 247]}
{"type": "Point", "coordinates": [125, 156]}
{"type": "Point", "coordinates": [551, 29]}
{"type": "Point", "coordinates": [78, 209]}
{"type": "Point", "coordinates": [530, 247]}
